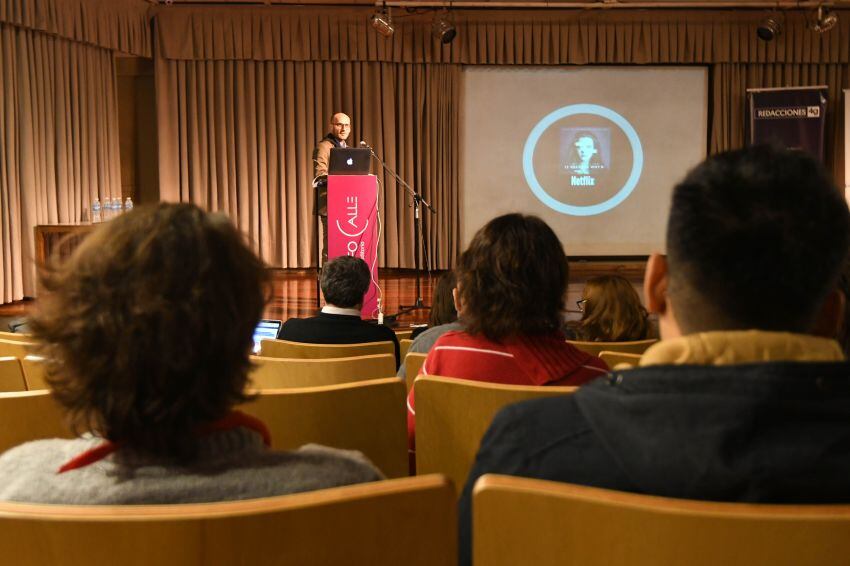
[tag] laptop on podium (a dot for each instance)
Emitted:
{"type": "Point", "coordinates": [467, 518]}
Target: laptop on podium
{"type": "Point", "coordinates": [350, 161]}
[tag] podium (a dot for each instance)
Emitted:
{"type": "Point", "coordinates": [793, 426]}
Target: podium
{"type": "Point", "coordinates": [353, 227]}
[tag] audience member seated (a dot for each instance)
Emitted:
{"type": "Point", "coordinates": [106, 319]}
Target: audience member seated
{"type": "Point", "coordinates": [345, 281]}
{"type": "Point", "coordinates": [511, 284]}
{"type": "Point", "coordinates": [147, 329]}
{"type": "Point", "coordinates": [443, 318]}
{"type": "Point", "coordinates": [739, 401]}
{"type": "Point", "coordinates": [611, 312]}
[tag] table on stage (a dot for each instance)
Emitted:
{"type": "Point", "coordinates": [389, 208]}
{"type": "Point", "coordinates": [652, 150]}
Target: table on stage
{"type": "Point", "coordinates": [59, 238]}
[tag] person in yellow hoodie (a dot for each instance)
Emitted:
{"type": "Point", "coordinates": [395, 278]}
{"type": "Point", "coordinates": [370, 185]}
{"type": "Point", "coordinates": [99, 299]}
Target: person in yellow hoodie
{"type": "Point", "coordinates": [742, 399]}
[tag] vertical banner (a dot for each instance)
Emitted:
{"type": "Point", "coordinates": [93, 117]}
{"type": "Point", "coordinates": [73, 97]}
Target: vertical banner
{"type": "Point", "coordinates": [794, 117]}
{"type": "Point", "coordinates": [353, 227]}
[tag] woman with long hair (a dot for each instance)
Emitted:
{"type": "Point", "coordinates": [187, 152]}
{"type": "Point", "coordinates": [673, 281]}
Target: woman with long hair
{"type": "Point", "coordinates": [611, 311]}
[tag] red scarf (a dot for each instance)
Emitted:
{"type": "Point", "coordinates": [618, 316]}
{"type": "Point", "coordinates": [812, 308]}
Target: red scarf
{"type": "Point", "coordinates": [233, 419]}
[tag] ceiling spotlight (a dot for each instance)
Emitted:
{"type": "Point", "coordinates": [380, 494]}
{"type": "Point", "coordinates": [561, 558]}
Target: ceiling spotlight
{"type": "Point", "coordinates": [826, 19]}
{"type": "Point", "coordinates": [382, 21]}
{"type": "Point", "coordinates": [768, 29]}
{"type": "Point", "coordinates": [443, 29]}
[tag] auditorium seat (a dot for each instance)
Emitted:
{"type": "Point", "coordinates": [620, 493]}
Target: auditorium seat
{"type": "Point", "coordinates": [11, 374]}
{"type": "Point", "coordinates": [29, 415]}
{"type": "Point", "coordinates": [403, 334]}
{"type": "Point", "coordinates": [368, 416]}
{"type": "Point", "coordinates": [452, 416]}
{"type": "Point", "coordinates": [15, 337]}
{"type": "Point", "coordinates": [530, 521]}
{"type": "Point", "coordinates": [412, 366]}
{"type": "Point", "coordinates": [622, 359]}
{"type": "Point", "coordinates": [287, 349]}
{"type": "Point", "coordinates": [636, 347]}
{"type": "Point", "coordinates": [404, 347]}
{"type": "Point", "coordinates": [407, 521]}
{"type": "Point", "coordinates": [272, 373]}
{"type": "Point", "coordinates": [34, 372]}
{"type": "Point", "coordinates": [15, 348]}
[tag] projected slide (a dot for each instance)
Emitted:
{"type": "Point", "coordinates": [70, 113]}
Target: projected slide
{"type": "Point", "coordinates": [594, 151]}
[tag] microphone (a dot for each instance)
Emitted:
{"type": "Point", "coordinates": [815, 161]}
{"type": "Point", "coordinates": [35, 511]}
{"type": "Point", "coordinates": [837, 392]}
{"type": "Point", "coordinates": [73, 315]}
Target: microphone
{"type": "Point", "coordinates": [364, 144]}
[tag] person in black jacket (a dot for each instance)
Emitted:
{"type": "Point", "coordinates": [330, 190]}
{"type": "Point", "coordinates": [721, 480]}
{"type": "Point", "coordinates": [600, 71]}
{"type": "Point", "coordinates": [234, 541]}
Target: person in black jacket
{"type": "Point", "coordinates": [345, 281]}
{"type": "Point", "coordinates": [741, 400]}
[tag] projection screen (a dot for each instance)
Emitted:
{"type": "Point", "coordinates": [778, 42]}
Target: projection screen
{"type": "Point", "coordinates": [594, 151]}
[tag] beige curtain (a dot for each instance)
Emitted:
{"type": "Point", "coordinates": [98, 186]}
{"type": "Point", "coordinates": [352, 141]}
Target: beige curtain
{"type": "Point", "coordinates": [497, 37]}
{"type": "Point", "coordinates": [119, 25]}
{"type": "Point", "coordinates": [237, 136]}
{"type": "Point", "coordinates": [59, 143]}
{"type": "Point", "coordinates": [731, 81]}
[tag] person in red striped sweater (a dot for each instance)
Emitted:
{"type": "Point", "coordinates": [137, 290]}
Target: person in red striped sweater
{"type": "Point", "coordinates": [511, 285]}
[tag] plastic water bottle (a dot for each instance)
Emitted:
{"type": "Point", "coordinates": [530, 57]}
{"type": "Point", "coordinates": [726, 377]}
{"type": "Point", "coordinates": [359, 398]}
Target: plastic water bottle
{"type": "Point", "coordinates": [95, 212]}
{"type": "Point", "coordinates": [128, 205]}
{"type": "Point", "coordinates": [116, 206]}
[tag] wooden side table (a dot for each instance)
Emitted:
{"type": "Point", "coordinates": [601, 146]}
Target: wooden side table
{"type": "Point", "coordinates": [61, 239]}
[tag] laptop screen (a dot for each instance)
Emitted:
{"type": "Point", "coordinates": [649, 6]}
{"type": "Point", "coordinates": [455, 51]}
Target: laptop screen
{"type": "Point", "coordinates": [266, 330]}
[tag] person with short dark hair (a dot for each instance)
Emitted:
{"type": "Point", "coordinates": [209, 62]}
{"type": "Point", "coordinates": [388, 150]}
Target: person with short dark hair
{"type": "Point", "coordinates": [511, 284]}
{"type": "Point", "coordinates": [345, 281]}
{"type": "Point", "coordinates": [739, 401]}
{"type": "Point", "coordinates": [147, 330]}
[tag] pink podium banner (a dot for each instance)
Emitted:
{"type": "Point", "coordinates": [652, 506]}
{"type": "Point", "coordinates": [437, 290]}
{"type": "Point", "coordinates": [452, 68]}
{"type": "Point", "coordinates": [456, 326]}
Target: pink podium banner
{"type": "Point", "coordinates": [353, 227]}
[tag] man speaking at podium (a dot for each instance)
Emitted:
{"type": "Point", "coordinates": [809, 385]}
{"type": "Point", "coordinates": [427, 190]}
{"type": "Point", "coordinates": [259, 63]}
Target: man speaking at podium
{"type": "Point", "coordinates": [340, 130]}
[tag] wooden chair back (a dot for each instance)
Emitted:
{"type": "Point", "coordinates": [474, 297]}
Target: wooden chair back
{"type": "Point", "coordinates": [636, 347]}
{"type": "Point", "coordinates": [412, 366]}
{"type": "Point", "coordinates": [405, 521]}
{"type": "Point", "coordinates": [287, 349]}
{"type": "Point", "coordinates": [275, 373]}
{"type": "Point", "coordinates": [16, 337]}
{"type": "Point", "coordinates": [403, 334]}
{"type": "Point", "coordinates": [35, 372]}
{"type": "Point", "coordinates": [619, 360]}
{"type": "Point", "coordinates": [15, 348]}
{"type": "Point", "coordinates": [11, 374]}
{"type": "Point", "coordinates": [368, 416]}
{"type": "Point", "coordinates": [30, 415]}
{"type": "Point", "coordinates": [527, 521]}
{"type": "Point", "coordinates": [404, 347]}
{"type": "Point", "coordinates": [452, 416]}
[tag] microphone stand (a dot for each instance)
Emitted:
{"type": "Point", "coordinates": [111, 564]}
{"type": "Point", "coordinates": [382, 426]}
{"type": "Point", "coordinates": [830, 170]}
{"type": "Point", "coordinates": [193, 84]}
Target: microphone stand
{"type": "Point", "coordinates": [418, 203]}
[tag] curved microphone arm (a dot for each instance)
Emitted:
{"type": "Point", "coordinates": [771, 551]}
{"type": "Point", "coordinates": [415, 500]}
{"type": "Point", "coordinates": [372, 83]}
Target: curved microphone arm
{"type": "Point", "coordinates": [417, 198]}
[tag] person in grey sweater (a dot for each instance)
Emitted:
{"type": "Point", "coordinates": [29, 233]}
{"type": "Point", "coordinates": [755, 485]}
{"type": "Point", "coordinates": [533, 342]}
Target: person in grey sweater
{"type": "Point", "coordinates": [147, 330]}
{"type": "Point", "coordinates": [443, 318]}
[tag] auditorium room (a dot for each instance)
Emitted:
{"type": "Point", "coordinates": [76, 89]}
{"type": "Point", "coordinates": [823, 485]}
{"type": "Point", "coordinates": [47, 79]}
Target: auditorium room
{"type": "Point", "coordinates": [425, 282]}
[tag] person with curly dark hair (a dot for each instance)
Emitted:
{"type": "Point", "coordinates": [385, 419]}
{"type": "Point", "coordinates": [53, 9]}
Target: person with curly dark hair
{"type": "Point", "coordinates": [147, 330]}
{"type": "Point", "coordinates": [511, 284]}
{"type": "Point", "coordinates": [611, 311]}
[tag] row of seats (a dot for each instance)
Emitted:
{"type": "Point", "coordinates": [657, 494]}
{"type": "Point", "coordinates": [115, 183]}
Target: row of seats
{"type": "Point", "coordinates": [413, 521]}
{"type": "Point", "coordinates": [286, 349]}
{"type": "Point", "coordinates": [283, 364]}
{"type": "Point", "coordinates": [369, 416]}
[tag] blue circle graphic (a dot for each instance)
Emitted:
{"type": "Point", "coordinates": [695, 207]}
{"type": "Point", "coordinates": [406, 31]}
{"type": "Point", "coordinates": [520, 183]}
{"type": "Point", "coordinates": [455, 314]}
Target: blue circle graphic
{"type": "Point", "coordinates": [572, 110]}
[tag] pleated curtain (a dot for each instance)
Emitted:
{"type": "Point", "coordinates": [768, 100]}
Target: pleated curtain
{"type": "Point", "coordinates": [59, 143]}
{"type": "Point", "coordinates": [237, 136]}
